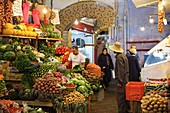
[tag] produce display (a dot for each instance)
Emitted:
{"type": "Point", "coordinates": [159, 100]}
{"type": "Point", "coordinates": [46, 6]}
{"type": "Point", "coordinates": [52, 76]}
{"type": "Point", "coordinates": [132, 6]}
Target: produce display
{"type": "Point", "coordinates": [74, 102]}
{"type": "Point", "coordinates": [77, 68]}
{"type": "Point", "coordinates": [62, 50]}
{"type": "Point", "coordinates": [65, 59]}
{"type": "Point", "coordinates": [8, 11]}
{"type": "Point", "coordinates": [48, 51]}
{"type": "Point", "coordinates": [74, 97]}
{"type": "Point", "coordinates": [8, 106]}
{"type": "Point", "coordinates": [49, 83]}
{"type": "Point", "coordinates": [49, 31]}
{"type": "Point", "coordinates": [93, 68]}
{"type": "Point", "coordinates": [43, 69]}
{"type": "Point", "coordinates": [60, 58]}
{"type": "Point", "coordinates": [3, 88]}
{"type": "Point", "coordinates": [2, 13]}
{"type": "Point", "coordinates": [161, 15]}
{"type": "Point", "coordinates": [82, 86]}
{"type": "Point", "coordinates": [154, 102]}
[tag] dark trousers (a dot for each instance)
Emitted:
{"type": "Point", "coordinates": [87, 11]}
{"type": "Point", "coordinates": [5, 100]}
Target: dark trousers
{"type": "Point", "coordinates": [123, 104]}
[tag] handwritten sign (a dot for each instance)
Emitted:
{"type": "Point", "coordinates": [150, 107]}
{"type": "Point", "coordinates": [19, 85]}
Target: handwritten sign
{"type": "Point", "coordinates": [17, 8]}
{"type": "Point", "coordinates": [56, 20]}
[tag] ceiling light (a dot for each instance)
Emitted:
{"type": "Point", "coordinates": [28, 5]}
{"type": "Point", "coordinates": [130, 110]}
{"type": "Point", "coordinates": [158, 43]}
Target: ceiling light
{"type": "Point", "coordinates": [76, 22]}
{"type": "Point", "coordinates": [44, 10]}
{"type": "Point", "coordinates": [165, 21]}
{"type": "Point", "coordinates": [163, 2]}
{"type": "Point", "coordinates": [85, 29]}
{"type": "Point", "coordinates": [142, 28]}
{"type": "Point", "coordinates": [151, 20]}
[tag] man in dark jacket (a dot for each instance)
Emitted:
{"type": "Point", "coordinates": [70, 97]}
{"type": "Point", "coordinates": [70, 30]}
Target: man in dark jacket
{"type": "Point", "coordinates": [122, 77]}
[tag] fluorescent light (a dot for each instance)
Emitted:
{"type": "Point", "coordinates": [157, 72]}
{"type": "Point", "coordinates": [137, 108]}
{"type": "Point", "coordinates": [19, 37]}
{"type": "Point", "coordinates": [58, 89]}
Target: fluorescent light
{"type": "Point", "coordinates": [165, 21]}
{"type": "Point", "coordinates": [142, 28]}
{"type": "Point", "coordinates": [76, 22]}
{"type": "Point", "coordinates": [44, 10]}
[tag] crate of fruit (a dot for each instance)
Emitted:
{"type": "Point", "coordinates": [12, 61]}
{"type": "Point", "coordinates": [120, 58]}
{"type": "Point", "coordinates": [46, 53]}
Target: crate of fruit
{"type": "Point", "coordinates": [135, 90]}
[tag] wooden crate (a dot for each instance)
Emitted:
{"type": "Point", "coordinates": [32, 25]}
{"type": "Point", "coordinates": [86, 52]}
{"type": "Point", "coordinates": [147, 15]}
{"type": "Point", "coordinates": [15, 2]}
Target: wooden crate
{"type": "Point", "coordinates": [98, 96]}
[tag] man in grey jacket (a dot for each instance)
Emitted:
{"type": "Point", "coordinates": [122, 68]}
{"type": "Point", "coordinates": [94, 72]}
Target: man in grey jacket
{"type": "Point", "coordinates": [122, 77]}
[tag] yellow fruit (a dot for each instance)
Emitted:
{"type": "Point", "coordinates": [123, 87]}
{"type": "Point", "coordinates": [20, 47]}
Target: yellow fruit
{"type": "Point", "coordinates": [30, 28]}
{"type": "Point", "coordinates": [23, 26]}
{"type": "Point", "coordinates": [19, 32]}
{"type": "Point", "coordinates": [34, 34]}
{"type": "Point", "coordinates": [15, 32]}
{"type": "Point", "coordinates": [7, 32]}
{"type": "Point", "coordinates": [22, 33]}
{"type": "Point", "coordinates": [9, 26]}
{"type": "Point", "coordinates": [27, 33]}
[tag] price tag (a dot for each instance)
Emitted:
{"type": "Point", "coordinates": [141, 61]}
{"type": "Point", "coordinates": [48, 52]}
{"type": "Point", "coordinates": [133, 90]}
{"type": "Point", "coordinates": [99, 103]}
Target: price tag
{"type": "Point", "coordinates": [17, 8]}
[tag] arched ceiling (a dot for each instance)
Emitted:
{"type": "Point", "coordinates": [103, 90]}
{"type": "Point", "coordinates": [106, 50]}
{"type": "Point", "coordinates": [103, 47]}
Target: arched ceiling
{"type": "Point", "coordinates": [61, 4]}
{"type": "Point", "coordinates": [100, 11]}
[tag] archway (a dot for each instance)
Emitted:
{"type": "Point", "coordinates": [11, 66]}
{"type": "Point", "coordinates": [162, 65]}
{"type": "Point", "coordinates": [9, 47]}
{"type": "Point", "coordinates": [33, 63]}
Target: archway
{"type": "Point", "coordinates": [102, 12]}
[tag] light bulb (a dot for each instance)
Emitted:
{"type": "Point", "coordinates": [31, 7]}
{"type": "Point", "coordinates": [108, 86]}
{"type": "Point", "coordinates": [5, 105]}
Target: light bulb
{"type": "Point", "coordinates": [163, 2]}
{"type": "Point", "coordinates": [44, 10]}
{"type": "Point", "coordinates": [76, 22]}
{"type": "Point", "coordinates": [85, 29]}
{"type": "Point", "coordinates": [142, 28]}
{"type": "Point", "coordinates": [165, 21]}
{"type": "Point", "coordinates": [151, 20]}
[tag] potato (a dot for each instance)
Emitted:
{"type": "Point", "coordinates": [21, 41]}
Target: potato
{"type": "Point", "coordinates": [155, 106]}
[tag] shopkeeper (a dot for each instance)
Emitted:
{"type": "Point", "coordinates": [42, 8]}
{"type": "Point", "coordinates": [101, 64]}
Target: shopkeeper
{"type": "Point", "coordinates": [76, 58]}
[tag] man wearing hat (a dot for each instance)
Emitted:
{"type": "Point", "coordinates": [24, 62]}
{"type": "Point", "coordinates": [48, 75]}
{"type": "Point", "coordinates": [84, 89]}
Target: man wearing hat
{"type": "Point", "coordinates": [121, 76]}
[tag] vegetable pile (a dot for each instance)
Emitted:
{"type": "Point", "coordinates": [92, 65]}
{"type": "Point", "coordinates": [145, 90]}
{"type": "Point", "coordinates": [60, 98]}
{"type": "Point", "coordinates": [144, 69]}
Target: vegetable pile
{"type": "Point", "coordinates": [49, 83]}
{"type": "Point", "coordinates": [155, 100]}
{"type": "Point", "coordinates": [82, 86]}
{"type": "Point", "coordinates": [3, 88]}
{"type": "Point", "coordinates": [74, 97]}
{"type": "Point", "coordinates": [93, 68]}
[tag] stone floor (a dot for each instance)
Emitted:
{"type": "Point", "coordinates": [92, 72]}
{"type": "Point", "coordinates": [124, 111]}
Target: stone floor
{"type": "Point", "coordinates": [108, 104]}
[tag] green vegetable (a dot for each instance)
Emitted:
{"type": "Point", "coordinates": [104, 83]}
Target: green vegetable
{"type": "Point", "coordinates": [9, 55]}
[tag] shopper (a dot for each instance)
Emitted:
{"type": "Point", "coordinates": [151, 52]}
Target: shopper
{"type": "Point", "coordinates": [106, 64]}
{"type": "Point", "coordinates": [76, 58]}
{"type": "Point", "coordinates": [122, 77]}
{"type": "Point", "coordinates": [134, 68]}
{"type": "Point", "coordinates": [129, 53]}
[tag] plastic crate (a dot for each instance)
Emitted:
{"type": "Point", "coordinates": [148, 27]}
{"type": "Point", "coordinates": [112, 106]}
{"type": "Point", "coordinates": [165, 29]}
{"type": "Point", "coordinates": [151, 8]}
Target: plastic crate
{"type": "Point", "coordinates": [135, 91]}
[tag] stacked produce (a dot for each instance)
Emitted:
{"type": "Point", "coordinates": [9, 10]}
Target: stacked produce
{"type": "Point", "coordinates": [19, 30]}
{"type": "Point", "coordinates": [161, 15]}
{"type": "Point", "coordinates": [49, 31]}
{"type": "Point", "coordinates": [93, 68]}
{"type": "Point", "coordinates": [60, 58]}
{"type": "Point", "coordinates": [48, 51]}
{"type": "Point", "coordinates": [62, 50]}
{"type": "Point", "coordinates": [2, 13]}
{"type": "Point", "coordinates": [74, 102]}
{"type": "Point", "coordinates": [8, 106]}
{"type": "Point", "coordinates": [8, 11]}
{"type": "Point", "coordinates": [91, 77]}
{"type": "Point", "coordinates": [49, 83]}
{"type": "Point", "coordinates": [74, 97]}
{"type": "Point", "coordinates": [3, 88]}
{"type": "Point", "coordinates": [82, 86]}
{"type": "Point", "coordinates": [43, 69]}
{"type": "Point", "coordinates": [155, 102]}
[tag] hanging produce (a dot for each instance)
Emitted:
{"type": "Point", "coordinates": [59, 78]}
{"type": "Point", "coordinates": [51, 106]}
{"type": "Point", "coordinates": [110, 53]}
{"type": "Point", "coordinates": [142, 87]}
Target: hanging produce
{"type": "Point", "coordinates": [2, 20]}
{"type": "Point", "coordinates": [35, 16]}
{"type": "Point", "coordinates": [161, 15]}
{"type": "Point", "coordinates": [8, 11]}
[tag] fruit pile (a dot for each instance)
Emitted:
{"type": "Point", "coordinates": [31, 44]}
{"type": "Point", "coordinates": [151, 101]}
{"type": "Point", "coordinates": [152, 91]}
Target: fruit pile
{"type": "Point", "coordinates": [93, 68]}
{"type": "Point", "coordinates": [74, 97]}
{"type": "Point", "coordinates": [91, 77]}
{"type": "Point", "coordinates": [60, 58]}
{"type": "Point", "coordinates": [155, 100]}
{"type": "Point", "coordinates": [49, 83]}
{"type": "Point", "coordinates": [62, 50]}
{"type": "Point", "coordinates": [19, 30]}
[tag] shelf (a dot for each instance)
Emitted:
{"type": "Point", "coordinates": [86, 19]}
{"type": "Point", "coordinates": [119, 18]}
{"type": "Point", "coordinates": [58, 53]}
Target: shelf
{"type": "Point", "coordinates": [144, 41]}
{"type": "Point", "coordinates": [35, 103]}
{"type": "Point", "coordinates": [13, 79]}
{"type": "Point", "coordinates": [26, 37]}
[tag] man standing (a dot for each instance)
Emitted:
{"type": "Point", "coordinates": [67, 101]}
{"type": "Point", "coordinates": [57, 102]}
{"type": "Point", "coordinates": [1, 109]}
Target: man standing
{"type": "Point", "coordinates": [76, 58]}
{"type": "Point", "coordinates": [122, 77]}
